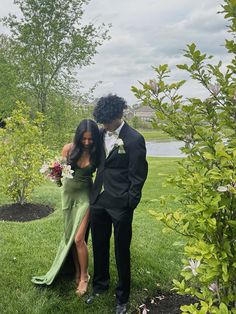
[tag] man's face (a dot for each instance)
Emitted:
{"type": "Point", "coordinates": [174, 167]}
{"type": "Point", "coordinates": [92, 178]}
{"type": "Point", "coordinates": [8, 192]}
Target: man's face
{"type": "Point", "coordinates": [108, 126]}
{"type": "Point", "coordinates": [112, 125]}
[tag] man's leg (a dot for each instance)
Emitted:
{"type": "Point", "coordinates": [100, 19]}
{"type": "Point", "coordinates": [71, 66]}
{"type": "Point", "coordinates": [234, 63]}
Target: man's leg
{"type": "Point", "coordinates": [122, 221]}
{"type": "Point", "coordinates": [101, 226]}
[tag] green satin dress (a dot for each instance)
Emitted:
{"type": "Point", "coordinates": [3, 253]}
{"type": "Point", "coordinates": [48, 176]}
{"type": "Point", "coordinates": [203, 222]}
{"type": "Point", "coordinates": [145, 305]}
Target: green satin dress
{"type": "Point", "coordinates": [75, 202]}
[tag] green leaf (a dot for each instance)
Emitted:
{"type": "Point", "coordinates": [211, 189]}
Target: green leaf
{"type": "Point", "coordinates": [208, 156]}
{"type": "Point", "coordinates": [223, 308]}
{"type": "Point", "coordinates": [192, 47]}
{"type": "Point", "coordinates": [182, 66]}
{"type": "Point", "coordinates": [232, 223]}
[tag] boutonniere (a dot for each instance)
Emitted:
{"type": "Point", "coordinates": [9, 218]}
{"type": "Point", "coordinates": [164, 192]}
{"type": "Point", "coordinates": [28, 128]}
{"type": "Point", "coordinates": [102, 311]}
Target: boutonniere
{"type": "Point", "coordinates": [120, 144]}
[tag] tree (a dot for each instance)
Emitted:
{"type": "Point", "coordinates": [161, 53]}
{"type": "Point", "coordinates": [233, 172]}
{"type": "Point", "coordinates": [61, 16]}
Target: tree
{"type": "Point", "coordinates": [62, 119]}
{"type": "Point", "coordinates": [10, 88]}
{"type": "Point", "coordinates": [21, 153]}
{"type": "Point", "coordinates": [136, 122]}
{"type": "Point", "coordinates": [206, 179]}
{"type": "Point", "coordinates": [50, 42]}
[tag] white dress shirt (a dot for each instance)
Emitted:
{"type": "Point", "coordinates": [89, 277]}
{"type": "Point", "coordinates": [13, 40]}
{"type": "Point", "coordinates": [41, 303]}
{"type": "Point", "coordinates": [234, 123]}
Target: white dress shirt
{"type": "Point", "coordinates": [110, 138]}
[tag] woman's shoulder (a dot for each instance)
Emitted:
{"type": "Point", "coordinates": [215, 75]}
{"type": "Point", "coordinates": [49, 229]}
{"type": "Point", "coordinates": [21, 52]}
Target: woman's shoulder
{"type": "Point", "coordinates": [66, 149]}
{"type": "Point", "coordinates": [68, 146]}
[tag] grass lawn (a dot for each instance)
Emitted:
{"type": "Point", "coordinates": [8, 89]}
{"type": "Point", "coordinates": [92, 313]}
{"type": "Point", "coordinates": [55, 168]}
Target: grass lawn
{"type": "Point", "coordinates": [155, 135]}
{"type": "Point", "coordinates": [28, 249]}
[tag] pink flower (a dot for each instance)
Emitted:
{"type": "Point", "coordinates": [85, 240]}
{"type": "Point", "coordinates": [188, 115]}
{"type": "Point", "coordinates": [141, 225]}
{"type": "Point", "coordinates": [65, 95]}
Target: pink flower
{"type": "Point", "coordinates": [214, 287]}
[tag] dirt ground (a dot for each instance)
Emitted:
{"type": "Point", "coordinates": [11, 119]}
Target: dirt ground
{"type": "Point", "coordinates": [26, 212]}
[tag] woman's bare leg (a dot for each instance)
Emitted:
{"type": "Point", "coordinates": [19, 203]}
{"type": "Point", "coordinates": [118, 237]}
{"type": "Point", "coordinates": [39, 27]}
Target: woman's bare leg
{"type": "Point", "coordinates": [82, 253]}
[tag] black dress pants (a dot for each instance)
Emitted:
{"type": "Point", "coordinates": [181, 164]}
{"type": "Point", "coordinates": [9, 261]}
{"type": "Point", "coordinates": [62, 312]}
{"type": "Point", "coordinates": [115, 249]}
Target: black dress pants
{"type": "Point", "coordinates": [101, 220]}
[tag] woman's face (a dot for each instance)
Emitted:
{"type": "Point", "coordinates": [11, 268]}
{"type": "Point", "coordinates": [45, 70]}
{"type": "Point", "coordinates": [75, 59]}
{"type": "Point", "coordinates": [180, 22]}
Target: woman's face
{"type": "Point", "coordinates": [87, 140]}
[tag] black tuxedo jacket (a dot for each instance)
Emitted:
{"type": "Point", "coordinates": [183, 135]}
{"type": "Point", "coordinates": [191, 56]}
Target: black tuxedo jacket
{"type": "Point", "coordinates": [121, 175]}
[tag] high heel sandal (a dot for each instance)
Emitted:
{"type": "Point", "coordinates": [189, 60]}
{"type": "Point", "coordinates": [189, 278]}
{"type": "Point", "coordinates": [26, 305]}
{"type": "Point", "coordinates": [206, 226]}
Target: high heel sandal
{"type": "Point", "coordinates": [82, 287]}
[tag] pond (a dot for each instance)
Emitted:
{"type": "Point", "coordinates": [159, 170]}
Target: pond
{"type": "Point", "coordinates": [164, 149]}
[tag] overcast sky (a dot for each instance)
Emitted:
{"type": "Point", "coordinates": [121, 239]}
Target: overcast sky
{"type": "Point", "coordinates": [145, 34]}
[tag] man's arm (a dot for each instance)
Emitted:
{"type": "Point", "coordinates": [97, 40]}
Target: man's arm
{"type": "Point", "coordinates": [138, 169]}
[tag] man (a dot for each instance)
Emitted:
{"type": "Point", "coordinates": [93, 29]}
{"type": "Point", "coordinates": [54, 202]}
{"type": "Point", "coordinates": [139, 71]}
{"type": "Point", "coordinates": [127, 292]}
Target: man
{"type": "Point", "coordinates": [116, 193]}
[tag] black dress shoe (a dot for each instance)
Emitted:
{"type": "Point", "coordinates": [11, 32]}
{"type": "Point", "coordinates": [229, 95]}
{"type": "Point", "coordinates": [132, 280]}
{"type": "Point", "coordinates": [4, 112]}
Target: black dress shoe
{"type": "Point", "coordinates": [91, 298]}
{"type": "Point", "coordinates": [121, 308]}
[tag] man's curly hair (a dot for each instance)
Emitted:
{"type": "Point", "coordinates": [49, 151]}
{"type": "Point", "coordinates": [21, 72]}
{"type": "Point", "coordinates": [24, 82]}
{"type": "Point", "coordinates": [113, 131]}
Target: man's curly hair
{"type": "Point", "coordinates": [109, 108]}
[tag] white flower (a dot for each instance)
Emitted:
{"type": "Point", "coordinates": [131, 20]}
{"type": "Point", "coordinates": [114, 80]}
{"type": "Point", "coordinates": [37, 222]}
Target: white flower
{"type": "Point", "coordinates": [234, 97]}
{"type": "Point", "coordinates": [143, 308]}
{"type": "Point", "coordinates": [193, 265]}
{"type": "Point", "coordinates": [215, 89]}
{"type": "Point", "coordinates": [67, 171]}
{"type": "Point", "coordinates": [44, 168]}
{"type": "Point", "coordinates": [120, 144]}
{"type": "Point", "coordinates": [154, 86]}
{"type": "Point", "coordinates": [222, 188]}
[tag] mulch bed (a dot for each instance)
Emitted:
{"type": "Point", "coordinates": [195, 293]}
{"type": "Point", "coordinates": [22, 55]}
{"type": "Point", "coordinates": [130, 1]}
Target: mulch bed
{"type": "Point", "coordinates": [161, 303]}
{"type": "Point", "coordinates": [26, 212]}
{"type": "Point", "coordinates": [165, 303]}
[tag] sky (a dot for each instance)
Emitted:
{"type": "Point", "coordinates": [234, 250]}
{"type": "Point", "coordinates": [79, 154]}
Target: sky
{"type": "Point", "coordinates": [145, 34]}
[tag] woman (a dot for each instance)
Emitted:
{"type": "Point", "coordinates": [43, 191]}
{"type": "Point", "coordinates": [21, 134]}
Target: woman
{"type": "Point", "coordinates": [83, 156]}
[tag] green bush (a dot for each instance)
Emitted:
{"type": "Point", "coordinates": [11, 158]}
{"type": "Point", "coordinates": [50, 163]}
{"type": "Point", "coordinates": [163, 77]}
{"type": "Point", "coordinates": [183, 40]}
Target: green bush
{"type": "Point", "coordinates": [21, 153]}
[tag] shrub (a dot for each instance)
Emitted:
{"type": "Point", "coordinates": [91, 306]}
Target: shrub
{"type": "Point", "coordinates": [206, 179]}
{"type": "Point", "coordinates": [21, 153]}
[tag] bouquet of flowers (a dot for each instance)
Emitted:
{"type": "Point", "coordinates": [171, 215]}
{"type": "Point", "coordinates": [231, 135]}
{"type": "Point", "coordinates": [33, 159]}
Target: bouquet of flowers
{"type": "Point", "coordinates": [56, 169]}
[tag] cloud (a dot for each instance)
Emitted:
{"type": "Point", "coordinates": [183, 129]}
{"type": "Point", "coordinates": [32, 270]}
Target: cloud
{"type": "Point", "coordinates": [149, 33]}
{"type": "Point", "coordinates": [145, 34]}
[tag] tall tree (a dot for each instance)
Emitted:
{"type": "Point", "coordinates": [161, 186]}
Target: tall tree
{"type": "Point", "coordinates": [9, 80]}
{"type": "Point", "coordinates": [50, 42]}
